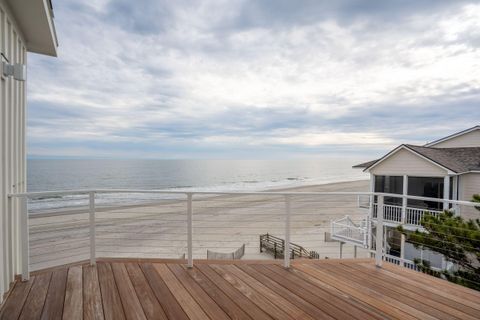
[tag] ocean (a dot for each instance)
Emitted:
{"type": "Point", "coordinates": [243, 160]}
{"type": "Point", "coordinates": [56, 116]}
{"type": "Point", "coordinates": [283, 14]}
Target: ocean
{"type": "Point", "coordinates": [181, 175]}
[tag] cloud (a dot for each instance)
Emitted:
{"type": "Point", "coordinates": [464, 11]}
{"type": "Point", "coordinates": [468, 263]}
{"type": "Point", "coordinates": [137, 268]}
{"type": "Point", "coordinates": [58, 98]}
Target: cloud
{"type": "Point", "coordinates": [186, 78]}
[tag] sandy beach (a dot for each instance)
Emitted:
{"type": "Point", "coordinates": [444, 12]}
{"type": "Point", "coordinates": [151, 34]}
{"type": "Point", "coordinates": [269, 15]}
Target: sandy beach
{"type": "Point", "coordinates": [221, 223]}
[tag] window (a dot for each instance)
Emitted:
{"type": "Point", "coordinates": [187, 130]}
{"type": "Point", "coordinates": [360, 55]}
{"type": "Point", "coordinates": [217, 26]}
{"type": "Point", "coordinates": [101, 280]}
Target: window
{"type": "Point", "coordinates": [390, 184]}
{"type": "Point", "coordinates": [425, 187]}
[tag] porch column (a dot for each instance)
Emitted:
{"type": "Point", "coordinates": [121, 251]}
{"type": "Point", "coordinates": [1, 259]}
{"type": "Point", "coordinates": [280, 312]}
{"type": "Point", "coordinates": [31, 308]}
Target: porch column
{"type": "Point", "coordinates": [446, 191]}
{"type": "Point", "coordinates": [404, 199]}
{"type": "Point", "coordinates": [455, 193]}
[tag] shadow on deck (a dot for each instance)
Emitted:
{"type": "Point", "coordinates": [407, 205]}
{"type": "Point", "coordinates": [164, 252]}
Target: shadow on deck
{"type": "Point", "coordinates": [166, 289]}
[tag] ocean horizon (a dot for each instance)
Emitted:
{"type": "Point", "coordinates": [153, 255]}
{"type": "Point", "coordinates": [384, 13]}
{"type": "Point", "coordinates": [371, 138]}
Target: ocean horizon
{"type": "Point", "coordinates": [180, 175]}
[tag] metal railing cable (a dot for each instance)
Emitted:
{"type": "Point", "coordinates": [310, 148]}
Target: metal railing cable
{"type": "Point", "coordinates": [191, 223]}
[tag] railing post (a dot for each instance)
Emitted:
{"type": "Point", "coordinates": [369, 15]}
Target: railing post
{"type": "Point", "coordinates": [379, 234]}
{"type": "Point", "coordinates": [91, 218]}
{"type": "Point", "coordinates": [189, 231]}
{"type": "Point", "coordinates": [286, 253]}
{"type": "Point", "coordinates": [25, 238]}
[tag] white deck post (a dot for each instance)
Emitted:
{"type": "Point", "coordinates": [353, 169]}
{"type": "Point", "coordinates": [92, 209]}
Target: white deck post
{"type": "Point", "coordinates": [379, 234]}
{"type": "Point", "coordinates": [91, 216]}
{"type": "Point", "coordinates": [404, 216]}
{"type": "Point", "coordinates": [370, 211]}
{"type": "Point", "coordinates": [286, 250]}
{"type": "Point", "coordinates": [24, 238]}
{"type": "Point", "coordinates": [189, 231]}
{"type": "Point", "coordinates": [446, 191]}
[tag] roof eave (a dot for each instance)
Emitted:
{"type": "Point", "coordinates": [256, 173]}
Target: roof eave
{"type": "Point", "coordinates": [35, 19]}
{"type": "Point", "coordinates": [433, 143]}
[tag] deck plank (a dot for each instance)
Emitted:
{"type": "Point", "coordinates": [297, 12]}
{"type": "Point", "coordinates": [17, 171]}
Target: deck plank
{"type": "Point", "coordinates": [73, 306]}
{"type": "Point", "coordinates": [385, 306]}
{"type": "Point", "coordinates": [414, 302]}
{"type": "Point", "coordinates": [131, 304]}
{"type": "Point", "coordinates": [92, 299]}
{"type": "Point", "coordinates": [257, 298]}
{"type": "Point", "coordinates": [208, 304]}
{"type": "Point", "coordinates": [227, 304]}
{"type": "Point", "coordinates": [229, 290]}
{"type": "Point", "coordinates": [12, 307]}
{"type": "Point", "coordinates": [432, 289]}
{"type": "Point", "coordinates": [53, 308]}
{"type": "Point", "coordinates": [36, 298]}
{"type": "Point", "coordinates": [189, 305]}
{"type": "Point", "coordinates": [170, 305]}
{"type": "Point", "coordinates": [112, 304]}
{"type": "Point", "coordinates": [246, 304]}
{"type": "Point", "coordinates": [152, 308]}
{"type": "Point", "coordinates": [441, 284]}
{"type": "Point", "coordinates": [408, 311]}
{"type": "Point", "coordinates": [435, 301]}
{"type": "Point", "coordinates": [309, 308]}
{"type": "Point", "coordinates": [328, 303]}
{"type": "Point", "coordinates": [282, 303]}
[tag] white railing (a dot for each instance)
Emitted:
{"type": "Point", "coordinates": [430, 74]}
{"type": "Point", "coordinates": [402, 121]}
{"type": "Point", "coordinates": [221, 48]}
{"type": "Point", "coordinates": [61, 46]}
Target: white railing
{"type": "Point", "coordinates": [345, 229]}
{"type": "Point", "coordinates": [285, 200]}
{"type": "Point", "coordinates": [399, 261]}
{"type": "Point", "coordinates": [413, 216]}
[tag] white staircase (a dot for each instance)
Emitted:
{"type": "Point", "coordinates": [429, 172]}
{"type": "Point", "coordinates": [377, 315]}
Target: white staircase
{"type": "Point", "coordinates": [346, 230]}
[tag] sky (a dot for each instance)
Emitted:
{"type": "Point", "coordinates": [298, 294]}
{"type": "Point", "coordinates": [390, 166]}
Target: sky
{"type": "Point", "coordinates": [253, 78]}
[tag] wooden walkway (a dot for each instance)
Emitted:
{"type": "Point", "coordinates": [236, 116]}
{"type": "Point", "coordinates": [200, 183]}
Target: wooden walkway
{"type": "Point", "coordinates": [329, 289]}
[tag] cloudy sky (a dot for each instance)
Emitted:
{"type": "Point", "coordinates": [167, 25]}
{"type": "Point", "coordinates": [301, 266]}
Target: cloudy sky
{"type": "Point", "coordinates": [253, 78]}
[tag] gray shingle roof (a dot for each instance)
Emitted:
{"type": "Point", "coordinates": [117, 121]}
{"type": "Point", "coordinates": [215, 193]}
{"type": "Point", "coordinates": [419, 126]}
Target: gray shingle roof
{"type": "Point", "coordinates": [365, 164]}
{"type": "Point", "coordinates": [458, 160]}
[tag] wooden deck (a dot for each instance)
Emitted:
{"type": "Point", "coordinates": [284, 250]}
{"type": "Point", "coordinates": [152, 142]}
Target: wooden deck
{"type": "Point", "coordinates": [327, 289]}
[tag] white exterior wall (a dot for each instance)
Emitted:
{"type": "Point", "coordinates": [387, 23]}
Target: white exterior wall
{"type": "Point", "coordinates": [405, 162]}
{"type": "Point", "coordinates": [469, 185]}
{"type": "Point", "coordinates": [12, 144]}
{"type": "Point", "coordinates": [471, 139]}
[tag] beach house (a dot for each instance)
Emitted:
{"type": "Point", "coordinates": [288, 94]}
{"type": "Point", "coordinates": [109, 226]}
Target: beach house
{"type": "Point", "coordinates": [25, 26]}
{"type": "Point", "coordinates": [447, 168]}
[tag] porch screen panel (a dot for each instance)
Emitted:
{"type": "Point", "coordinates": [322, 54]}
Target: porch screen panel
{"type": "Point", "coordinates": [390, 184]}
{"type": "Point", "coordinates": [430, 187]}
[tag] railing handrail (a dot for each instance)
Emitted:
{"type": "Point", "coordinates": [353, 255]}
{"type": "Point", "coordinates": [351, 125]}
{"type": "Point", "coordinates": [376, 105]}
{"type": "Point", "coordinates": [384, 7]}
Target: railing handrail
{"type": "Point", "coordinates": [414, 208]}
{"type": "Point", "coordinates": [347, 225]}
{"type": "Point", "coordinates": [269, 193]}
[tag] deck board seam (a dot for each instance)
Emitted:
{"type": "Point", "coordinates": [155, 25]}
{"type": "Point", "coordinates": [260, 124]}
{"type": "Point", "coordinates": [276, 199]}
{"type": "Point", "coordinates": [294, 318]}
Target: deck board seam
{"type": "Point", "coordinates": [426, 302]}
{"type": "Point", "coordinates": [245, 283]}
{"type": "Point", "coordinates": [150, 286]}
{"type": "Point", "coordinates": [324, 292]}
{"type": "Point", "coordinates": [214, 285]}
{"type": "Point", "coordinates": [197, 299]}
{"type": "Point", "coordinates": [233, 288]}
{"type": "Point", "coordinates": [374, 289]}
{"type": "Point", "coordinates": [432, 300]}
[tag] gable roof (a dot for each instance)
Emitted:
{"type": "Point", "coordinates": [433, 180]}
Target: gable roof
{"type": "Point", "coordinates": [461, 133]}
{"type": "Point", "coordinates": [458, 160]}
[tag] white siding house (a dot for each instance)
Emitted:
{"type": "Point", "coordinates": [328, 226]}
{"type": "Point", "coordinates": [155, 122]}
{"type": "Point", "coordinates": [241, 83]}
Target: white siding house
{"type": "Point", "coordinates": [405, 162]}
{"type": "Point", "coordinates": [25, 26]}
{"type": "Point", "coordinates": [448, 168]}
